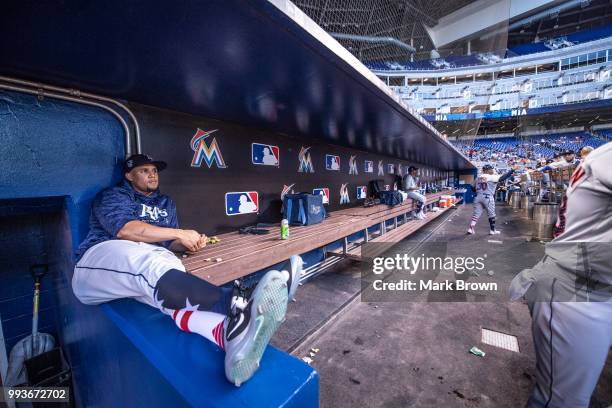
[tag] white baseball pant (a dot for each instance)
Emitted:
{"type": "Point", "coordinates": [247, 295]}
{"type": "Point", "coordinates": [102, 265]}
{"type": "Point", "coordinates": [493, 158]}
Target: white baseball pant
{"type": "Point", "coordinates": [119, 269]}
{"type": "Point", "coordinates": [420, 198]}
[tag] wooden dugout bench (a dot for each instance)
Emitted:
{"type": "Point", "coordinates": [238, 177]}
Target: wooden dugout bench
{"type": "Point", "coordinates": [238, 255]}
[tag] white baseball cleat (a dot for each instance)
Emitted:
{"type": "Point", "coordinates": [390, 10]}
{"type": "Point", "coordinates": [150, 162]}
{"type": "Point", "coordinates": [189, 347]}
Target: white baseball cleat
{"type": "Point", "coordinates": [494, 232]}
{"type": "Point", "coordinates": [470, 230]}
{"type": "Point", "coordinates": [247, 331]}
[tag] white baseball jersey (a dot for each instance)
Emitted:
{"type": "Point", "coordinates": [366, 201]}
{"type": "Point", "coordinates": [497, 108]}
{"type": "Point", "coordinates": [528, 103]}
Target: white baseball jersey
{"type": "Point", "coordinates": [410, 183]}
{"type": "Point", "coordinates": [486, 183]}
{"type": "Point", "coordinates": [589, 196]}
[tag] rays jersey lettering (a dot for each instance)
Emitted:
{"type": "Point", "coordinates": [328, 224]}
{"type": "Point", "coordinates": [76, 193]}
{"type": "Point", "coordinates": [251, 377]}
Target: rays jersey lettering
{"type": "Point", "coordinates": [116, 206]}
{"type": "Point", "coordinates": [153, 213]}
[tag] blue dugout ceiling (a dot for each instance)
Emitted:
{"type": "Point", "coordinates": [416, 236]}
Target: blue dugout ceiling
{"type": "Point", "coordinates": [258, 63]}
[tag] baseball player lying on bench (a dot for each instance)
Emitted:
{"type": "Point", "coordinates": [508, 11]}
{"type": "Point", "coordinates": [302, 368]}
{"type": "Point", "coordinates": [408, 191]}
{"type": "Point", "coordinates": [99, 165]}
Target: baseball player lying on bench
{"type": "Point", "coordinates": [127, 254]}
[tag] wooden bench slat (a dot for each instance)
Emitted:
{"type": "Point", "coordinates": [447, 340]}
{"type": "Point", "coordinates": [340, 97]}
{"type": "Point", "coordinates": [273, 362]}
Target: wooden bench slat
{"type": "Point", "coordinates": [246, 253]}
{"type": "Point", "coordinates": [267, 242]}
{"type": "Point", "coordinates": [246, 241]}
{"type": "Point", "coordinates": [233, 268]}
{"type": "Point", "coordinates": [398, 233]}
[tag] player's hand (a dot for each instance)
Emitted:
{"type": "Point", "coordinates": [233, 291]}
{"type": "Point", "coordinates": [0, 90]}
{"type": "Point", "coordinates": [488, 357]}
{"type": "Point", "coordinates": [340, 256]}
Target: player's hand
{"type": "Point", "coordinates": [190, 239]}
{"type": "Point", "coordinates": [202, 241]}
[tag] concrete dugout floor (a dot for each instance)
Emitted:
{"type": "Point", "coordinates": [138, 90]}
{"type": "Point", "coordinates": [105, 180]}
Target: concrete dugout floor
{"type": "Point", "coordinates": [415, 353]}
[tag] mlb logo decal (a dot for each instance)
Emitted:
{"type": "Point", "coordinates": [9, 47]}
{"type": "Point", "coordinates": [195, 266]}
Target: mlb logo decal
{"type": "Point", "coordinates": [208, 153]}
{"type": "Point", "coordinates": [344, 195]}
{"type": "Point", "coordinates": [353, 165]}
{"type": "Point", "coordinates": [265, 155]}
{"type": "Point", "coordinates": [324, 192]}
{"type": "Point", "coordinates": [305, 161]}
{"type": "Point", "coordinates": [381, 169]}
{"type": "Point", "coordinates": [362, 192]}
{"type": "Point", "coordinates": [241, 202]}
{"type": "Point", "coordinates": [368, 166]}
{"type": "Point", "coordinates": [390, 168]}
{"type": "Point", "coordinates": [332, 162]}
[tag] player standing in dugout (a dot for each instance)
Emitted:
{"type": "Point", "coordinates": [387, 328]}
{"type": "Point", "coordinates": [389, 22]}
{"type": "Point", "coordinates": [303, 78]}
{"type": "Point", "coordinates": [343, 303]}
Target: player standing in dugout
{"type": "Point", "coordinates": [569, 292]}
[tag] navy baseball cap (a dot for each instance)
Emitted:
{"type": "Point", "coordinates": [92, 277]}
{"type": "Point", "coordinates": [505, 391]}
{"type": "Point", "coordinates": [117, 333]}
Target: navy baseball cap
{"type": "Point", "coordinates": [136, 160]}
{"type": "Point", "coordinates": [487, 167]}
{"type": "Point", "coordinates": [411, 168]}
{"type": "Point", "coordinates": [565, 153]}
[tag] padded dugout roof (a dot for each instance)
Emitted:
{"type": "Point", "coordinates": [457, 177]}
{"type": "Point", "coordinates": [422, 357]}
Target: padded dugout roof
{"type": "Point", "coordinates": [245, 61]}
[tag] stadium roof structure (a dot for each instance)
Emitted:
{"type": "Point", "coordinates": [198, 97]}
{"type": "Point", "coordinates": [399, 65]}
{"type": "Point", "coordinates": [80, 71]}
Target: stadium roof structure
{"type": "Point", "coordinates": [219, 59]}
{"type": "Point", "coordinates": [403, 20]}
{"type": "Point", "coordinates": [395, 30]}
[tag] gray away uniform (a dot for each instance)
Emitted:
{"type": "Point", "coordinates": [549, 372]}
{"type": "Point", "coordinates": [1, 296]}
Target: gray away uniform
{"type": "Point", "coordinates": [485, 196]}
{"type": "Point", "coordinates": [569, 292]}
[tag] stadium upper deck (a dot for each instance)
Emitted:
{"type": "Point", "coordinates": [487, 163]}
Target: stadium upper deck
{"type": "Point", "coordinates": [575, 74]}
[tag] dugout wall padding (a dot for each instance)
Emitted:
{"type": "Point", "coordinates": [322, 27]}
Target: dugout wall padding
{"type": "Point", "coordinates": [199, 189]}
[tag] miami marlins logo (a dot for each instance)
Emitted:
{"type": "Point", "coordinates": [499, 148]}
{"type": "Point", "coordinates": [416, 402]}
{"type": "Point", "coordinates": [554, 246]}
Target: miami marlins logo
{"type": "Point", "coordinates": [381, 169]}
{"type": "Point", "coordinates": [286, 190]}
{"type": "Point", "coordinates": [344, 194]}
{"type": "Point", "coordinates": [305, 161]}
{"type": "Point", "coordinates": [353, 165]}
{"type": "Point", "coordinates": [209, 154]}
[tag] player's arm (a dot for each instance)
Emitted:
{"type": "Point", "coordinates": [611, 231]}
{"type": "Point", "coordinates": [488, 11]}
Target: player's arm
{"type": "Point", "coordinates": [411, 184]}
{"type": "Point", "coordinates": [600, 167]}
{"type": "Point", "coordinates": [506, 176]}
{"type": "Point", "coordinates": [550, 166]}
{"type": "Point", "coordinates": [182, 240]}
{"type": "Point", "coordinates": [116, 213]}
{"type": "Point", "coordinates": [177, 245]}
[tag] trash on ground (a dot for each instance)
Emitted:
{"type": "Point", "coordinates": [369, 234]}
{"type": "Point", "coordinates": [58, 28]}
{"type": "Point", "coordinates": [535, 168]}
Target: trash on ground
{"type": "Point", "coordinates": [218, 259]}
{"type": "Point", "coordinates": [314, 350]}
{"type": "Point", "coordinates": [307, 360]}
{"type": "Point", "coordinates": [490, 273]}
{"type": "Point", "coordinates": [208, 259]}
{"type": "Point", "coordinates": [477, 352]}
